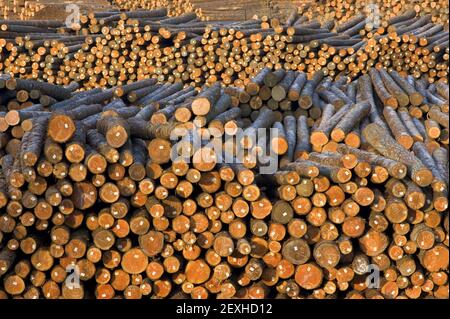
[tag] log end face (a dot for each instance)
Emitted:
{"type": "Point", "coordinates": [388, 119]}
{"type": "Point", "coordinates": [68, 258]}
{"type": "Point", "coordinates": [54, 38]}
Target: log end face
{"type": "Point", "coordinates": [61, 128]}
{"type": "Point", "coordinates": [279, 145]}
{"type": "Point", "coordinates": [319, 138]}
{"type": "Point", "coordinates": [204, 159]}
{"type": "Point", "coordinates": [305, 102]}
{"type": "Point", "coordinates": [197, 272]}
{"type": "Point", "coordinates": [344, 175]}
{"type": "Point", "coordinates": [84, 195]}
{"type": "Point", "coordinates": [159, 150]}
{"type": "Point", "coordinates": [75, 153]}
{"type": "Point", "coordinates": [201, 106]}
{"type": "Point", "coordinates": [403, 100]}
{"type": "Point", "coordinates": [134, 261]}
{"type": "Point", "coordinates": [116, 136]}
{"type": "Point", "coordinates": [337, 135]}
{"type": "Point", "coordinates": [416, 99]}
{"type": "Point", "coordinates": [308, 276]}
{"type": "Point", "coordinates": [423, 177]}
{"type": "Point", "coordinates": [12, 117]}
{"type": "Point", "coordinates": [398, 171]}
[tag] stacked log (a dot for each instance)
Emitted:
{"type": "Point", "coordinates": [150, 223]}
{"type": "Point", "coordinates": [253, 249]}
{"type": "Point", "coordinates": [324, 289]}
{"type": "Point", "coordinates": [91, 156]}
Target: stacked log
{"type": "Point", "coordinates": [115, 48]}
{"type": "Point", "coordinates": [175, 7]}
{"type": "Point", "coordinates": [384, 10]}
{"type": "Point", "coordinates": [127, 188]}
{"type": "Point", "coordinates": [22, 10]}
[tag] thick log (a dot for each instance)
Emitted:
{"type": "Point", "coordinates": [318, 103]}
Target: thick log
{"type": "Point", "coordinates": [383, 143]}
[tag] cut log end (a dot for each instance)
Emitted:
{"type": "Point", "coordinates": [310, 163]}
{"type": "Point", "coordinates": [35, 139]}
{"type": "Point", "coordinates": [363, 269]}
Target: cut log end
{"type": "Point", "coordinates": [12, 118]}
{"type": "Point", "coordinates": [201, 106]}
{"type": "Point", "coordinates": [61, 128]}
{"type": "Point", "coordinates": [319, 138]}
{"type": "Point", "coordinates": [416, 99]}
{"type": "Point", "coordinates": [279, 145]}
{"type": "Point", "coordinates": [423, 177]}
{"type": "Point", "coordinates": [406, 141]}
{"type": "Point", "coordinates": [305, 102]}
{"type": "Point", "coordinates": [308, 276]}
{"type": "Point", "coordinates": [159, 150]}
{"type": "Point", "coordinates": [116, 136]}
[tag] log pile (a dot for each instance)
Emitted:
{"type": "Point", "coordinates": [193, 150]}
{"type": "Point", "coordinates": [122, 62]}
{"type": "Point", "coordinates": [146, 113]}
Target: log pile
{"type": "Point", "coordinates": [342, 11]}
{"type": "Point", "coordinates": [129, 187]}
{"type": "Point", "coordinates": [174, 7]}
{"type": "Point", "coordinates": [114, 48]}
{"type": "Point", "coordinates": [19, 9]}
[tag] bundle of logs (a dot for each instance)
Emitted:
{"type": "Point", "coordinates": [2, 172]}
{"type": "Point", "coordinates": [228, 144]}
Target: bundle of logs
{"type": "Point", "coordinates": [108, 193]}
{"type": "Point", "coordinates": [115, 48]}
{"type": "Point", "coordinates": [19, 9]}
{"type": "Point", "coordinates": [175, 7]}
{"type": "Point", "coordinates": [342, 11]}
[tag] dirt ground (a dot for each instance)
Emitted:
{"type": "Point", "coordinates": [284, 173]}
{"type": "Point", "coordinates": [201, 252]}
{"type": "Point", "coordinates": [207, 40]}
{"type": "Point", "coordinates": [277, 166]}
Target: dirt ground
{"type": "Point", "coordinates": [244, 9]}
{"type": "Point", "coordinates": [215, 9]}
{"type": "Point", "coordinates": [56, 10]}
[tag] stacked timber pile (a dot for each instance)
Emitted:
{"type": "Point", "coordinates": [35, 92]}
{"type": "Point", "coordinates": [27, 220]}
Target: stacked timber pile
{"type": "Point", "coordinates": [19, 9]}
{"type": "Point", "coordinates": [114, 48]}
{"type": "Point", "coordinates": [174, 7]}
{"type": "Point", "coordinates": [113, 183]}
{"type": "Point", "coordinates": [344, 10]}
{"type": "Point", "coordinates": [416, 102]}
